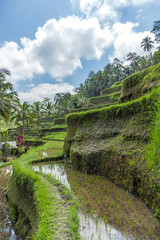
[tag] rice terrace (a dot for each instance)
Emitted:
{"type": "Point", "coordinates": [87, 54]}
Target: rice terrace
{"type": "Point", "coordinates": [81, 164]}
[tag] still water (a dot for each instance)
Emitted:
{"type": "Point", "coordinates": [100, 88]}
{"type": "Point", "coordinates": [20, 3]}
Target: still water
{"type": "Point", "coordinates": [6, 228]}
{"type": "Point", "coordinates": [108, 212]}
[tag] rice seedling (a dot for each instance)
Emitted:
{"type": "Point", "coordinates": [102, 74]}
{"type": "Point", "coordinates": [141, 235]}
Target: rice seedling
{"type": "Point", "coordinates": [99, 211]}
{"type": "Point", "coordinates": [105, 220]}
{"type": "Point", "coordinates": [126, 234]}
{"type": "Point", "coordinates": [99, 236]}
{"type": "Point", "coordinates": [118, 207]}
{"type": "Point", "coordinates": [132, 223]}
{"type": "Point", "coordinates": [155, 221]}
{"type": "Point", "coordinates": [92, 236]}
{"type": "Point", "coordinates": [129, 203]}
{"type": "Point", "coordinates": [135, 233]}
{"type": "Point", "coordinates": [122, 226]}
{"type": "Point", "coordinates": [97, 221]}
{"type": "Point", "coordinates": [110, 229]}
{"type": "Point", "coordinates": [104, 200]}
{"type": "Point", "coordinates": [125, 217]}
{"type": "Point", "coordinates": [143, 224]}
{"type": "Point", "coordinates": [92, 211]}
{"type": "Point", "coordinates": [150, 231]}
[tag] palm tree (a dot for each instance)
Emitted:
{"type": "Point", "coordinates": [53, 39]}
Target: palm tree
{"type": "Point", "coordinates": [48, 107]}
{"type": "Point", "coordinates": [36, 110]}
{"type": "Point", "coordinates": [8, 97]}
{"type": "Point", "coordinates": [23, 115]}
{"type": "Point", "coordinates": [147, 44]}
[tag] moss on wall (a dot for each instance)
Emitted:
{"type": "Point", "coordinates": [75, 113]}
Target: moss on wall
{"type": "Point", "coordinates": [59, 121]}
{"type": "Point", "coordinates": [37, 205]}
{"type": "Point", "coordinates": [115, 88]}
{"type": "Point", "coordinates": [139, 83]}
{"type": "Point", "coordinates": [22, 209]}
{"type": "Point", "coordinates": [111, 142]}
{"type": "Point", "coordinates": [101, 100]}
{"type": "Point", "coordinates": [84, 109]}
{"type": "Point", "coordinates": [107, 96]}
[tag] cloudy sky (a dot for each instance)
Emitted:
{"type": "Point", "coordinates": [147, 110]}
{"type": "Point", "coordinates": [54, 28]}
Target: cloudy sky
{"type": "Point", "coordinates": [50, 46]}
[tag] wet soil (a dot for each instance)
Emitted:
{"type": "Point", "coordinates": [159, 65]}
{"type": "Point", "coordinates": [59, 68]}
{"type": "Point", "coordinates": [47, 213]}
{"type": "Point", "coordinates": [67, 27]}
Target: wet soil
{"type": "Point", "coordinates": [6, 228]}
{"type": "Point", "coordinates": [108, 211]}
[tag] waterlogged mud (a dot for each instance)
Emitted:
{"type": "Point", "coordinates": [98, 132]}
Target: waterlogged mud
{"type": "Point", "coordinates": [6, 229]}
{"type": "Point", "coordinates": [108, 212]}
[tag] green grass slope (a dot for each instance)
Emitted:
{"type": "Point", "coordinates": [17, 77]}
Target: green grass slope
{"type": "Point", "coordinates": [113, 142]}
{"type": "Point", "coordinates": [139, 83]}
{"type": "Point", "coordinates": [51, 215]}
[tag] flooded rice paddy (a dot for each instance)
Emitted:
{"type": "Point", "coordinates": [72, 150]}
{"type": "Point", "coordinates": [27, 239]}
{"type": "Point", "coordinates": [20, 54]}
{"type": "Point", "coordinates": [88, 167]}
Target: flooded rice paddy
{"type": "Point", "coordinates": [107, 211]}
{"type": "Point", "coordinates": [6, 228]}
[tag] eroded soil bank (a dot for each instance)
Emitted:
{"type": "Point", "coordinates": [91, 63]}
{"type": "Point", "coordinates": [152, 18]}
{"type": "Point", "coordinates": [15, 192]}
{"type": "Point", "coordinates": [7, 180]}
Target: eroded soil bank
{"type": "Point", "coordinates": [6, 228]}
{"type": "Point", "coordinates": [107, 211]}
{"type": "Point", "coordinates": [112, 141]}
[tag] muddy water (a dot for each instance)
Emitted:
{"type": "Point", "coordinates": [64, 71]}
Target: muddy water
{"type": "Point", "coordinates": [108, 212]}
{"type": "Point", "coordinates": [6, 229]}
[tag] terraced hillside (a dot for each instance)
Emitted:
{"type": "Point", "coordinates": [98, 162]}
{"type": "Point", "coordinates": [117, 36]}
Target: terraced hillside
{"type": "Point", "coordinates": [113, 141]}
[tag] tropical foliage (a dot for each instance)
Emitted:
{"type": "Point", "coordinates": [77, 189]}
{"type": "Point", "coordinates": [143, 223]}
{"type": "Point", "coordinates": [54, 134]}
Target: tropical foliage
{"type": "Point", "coordinates": [147, 44]}
{"type": "Point", "coordinates": [8, 97]}
{"type": "Point", "coordinates": [156, 31]}
{"type": "Point", "coordinates": [64, 103]}
{"type": "Point", "coordinates": [23, 115]}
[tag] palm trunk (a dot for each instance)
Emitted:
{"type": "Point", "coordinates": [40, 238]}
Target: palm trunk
{"type": "Point", "coordinates": [23, 128]}
{"type": "Point", "coordinates": [38, 126]}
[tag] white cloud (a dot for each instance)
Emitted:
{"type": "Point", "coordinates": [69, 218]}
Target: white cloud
{"type": "Point", "coordinates": [57, 48]}
{"type": "Point", "coordinates": [126, 40]}
{"type": "Point", "coordinates": [19, 62]}
{"type": "Point", "coordinates": [106, 9]}
{"type": "Point", "coordinates": [141, 2]}
{"type": "Point", "coordinates": [86, 6]}
{"type": "Point", "coordinates": [41, 91]}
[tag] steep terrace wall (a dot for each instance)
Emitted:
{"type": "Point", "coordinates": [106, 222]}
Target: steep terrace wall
{"type": "Point", "coordinates": [108, 99]}
{"type": "Point", "coordinates": [116, 87]}
{"type": "Point", "coordinates": [139, 83]}
{"type": "Point", "coordinates": [41, 208]}
{"type": "Point", "coordinates": [111, 142]}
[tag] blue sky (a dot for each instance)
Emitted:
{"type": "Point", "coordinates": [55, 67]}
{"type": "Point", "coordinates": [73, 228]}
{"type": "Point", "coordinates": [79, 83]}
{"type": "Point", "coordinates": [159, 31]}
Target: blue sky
{"type": "Point", "coordinates": [50, 46]}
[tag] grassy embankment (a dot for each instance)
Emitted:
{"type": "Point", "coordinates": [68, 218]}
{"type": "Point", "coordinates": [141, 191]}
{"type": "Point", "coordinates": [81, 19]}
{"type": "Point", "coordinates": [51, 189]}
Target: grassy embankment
{"type": "Point", "coordinates": [119, 141]}
{"type": "Point", "coordinates": [41, 207]}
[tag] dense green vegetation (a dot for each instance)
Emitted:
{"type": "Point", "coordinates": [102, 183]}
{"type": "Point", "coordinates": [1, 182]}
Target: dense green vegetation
{"type": "Point", "coordinates": [105, 136]}
{"type": "Point", "coordinates": [95, 85]}
{"type": "Point", "coordinates": [121, 141]}
{"type": "Point", "coordinates": [53, 219]}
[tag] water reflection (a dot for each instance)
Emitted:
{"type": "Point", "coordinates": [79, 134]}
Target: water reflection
{"type": "Point", "coordinates": [95, 230]}
{"type": "Point", "coordinates": [108, 211]}
{"type": "Point", "coordinates": [56, 170]}
{"type": "Point", "coordinates": [6, 229]}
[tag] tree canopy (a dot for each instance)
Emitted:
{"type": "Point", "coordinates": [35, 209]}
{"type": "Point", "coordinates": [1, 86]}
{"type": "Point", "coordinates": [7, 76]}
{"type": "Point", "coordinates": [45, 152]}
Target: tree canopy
{"type": "Point", "coordinates": [156, 31]}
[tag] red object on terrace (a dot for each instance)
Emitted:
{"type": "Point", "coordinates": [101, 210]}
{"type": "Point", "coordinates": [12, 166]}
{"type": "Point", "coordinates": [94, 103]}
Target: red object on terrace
{"type": "Point", "coordinates": [20, 140]}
